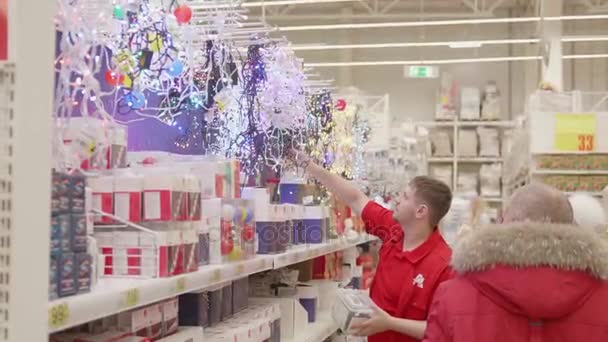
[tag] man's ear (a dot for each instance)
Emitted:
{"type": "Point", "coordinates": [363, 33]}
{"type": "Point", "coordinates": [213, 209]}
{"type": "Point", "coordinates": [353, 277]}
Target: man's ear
{"type": "Point", "coordinates": [422, 211]}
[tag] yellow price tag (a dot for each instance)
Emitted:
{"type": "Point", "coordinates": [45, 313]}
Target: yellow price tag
{"type": "Point", "coordinates": [311, 254]}
{"type": "Point", "coordinates": [216, 276]}
{"type": "Point", "coordinates": [240, 269]}
{"type": "Point", "coordinates": [59, 315]}
{"type": "Point", "coordinates": [180, 284]}
{"type": "Point", "coordinates": [131, 298]}
{"type": "Point", "coordinates": [262, 264]}
{"type": "Point", "coordinates": [575, 132]}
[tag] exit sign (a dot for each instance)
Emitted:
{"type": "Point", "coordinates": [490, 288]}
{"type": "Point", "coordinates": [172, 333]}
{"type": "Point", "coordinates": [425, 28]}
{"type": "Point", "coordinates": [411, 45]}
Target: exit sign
{"type": "Point", "coordinates": [421, 71]}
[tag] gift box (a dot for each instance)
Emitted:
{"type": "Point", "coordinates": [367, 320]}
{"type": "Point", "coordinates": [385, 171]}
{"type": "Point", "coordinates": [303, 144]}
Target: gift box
{"type": "Point", "coordinates": [103, 197]}
{"type": "Point", "coordinates": [194, 309]}
{"type": "Point", "coordinates": [128, 189]}
{"type": "Point", "coordinates": [315, 222]}
{"type": "Point", "coordinates": [212, 217]}
{"type": "Point", "coordinates": [308, 296]}
{"type": "Point", "coordinates": [269, 229]}
{"type": "Point", "coordinates": [240, 294]}
{"type": "Point", "coordinates": [470, 103]}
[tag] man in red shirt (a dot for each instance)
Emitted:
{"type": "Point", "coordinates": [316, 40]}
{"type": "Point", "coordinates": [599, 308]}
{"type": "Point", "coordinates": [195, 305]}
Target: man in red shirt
{"type": "Point", "coordinates": [414, 258]}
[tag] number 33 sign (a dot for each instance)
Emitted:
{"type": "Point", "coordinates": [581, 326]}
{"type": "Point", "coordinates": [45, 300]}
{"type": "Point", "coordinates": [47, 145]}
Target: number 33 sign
{"type": "Point", "coordinates": [585, 142]}
{"type": "Point", "coordinates": [575, 132]}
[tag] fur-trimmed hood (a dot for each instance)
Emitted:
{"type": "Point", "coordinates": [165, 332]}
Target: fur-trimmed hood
{"type": "Point", "coordinates": [538, 270]}
{"type": "Point", "coordinates": [529, 244]}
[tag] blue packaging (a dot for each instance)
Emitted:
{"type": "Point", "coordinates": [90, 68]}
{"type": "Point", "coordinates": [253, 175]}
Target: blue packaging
{"type": "Point", "coordinates": [194, 309]}
{"type": "Point", "coordinates": [290, 193]}
{"type": "Point", "coordinates": [83, 263]}
{"type": "Point", "coordinates": [67, 275]}
{"type": "Point", "coordinates": [79, 232]}
{"type": "Point", "coordinates": [53, 277]}
{"type": "Point", "coordinates": [61, 240]}
{"type": "Point", "coordinates": [314, 225]}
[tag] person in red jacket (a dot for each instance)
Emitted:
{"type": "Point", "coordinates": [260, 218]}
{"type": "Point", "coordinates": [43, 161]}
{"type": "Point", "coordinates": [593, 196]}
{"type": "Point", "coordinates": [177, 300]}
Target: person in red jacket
{"type": "Point", "coordinates": [537, 277]}
{"type": "Point", "coordinates": [414, 258]}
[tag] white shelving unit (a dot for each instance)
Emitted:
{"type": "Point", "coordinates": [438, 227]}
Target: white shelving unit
{"type": "Point", "coordinates": [322, 328]}
{"type": "Point", "coordinates": [458, 161]}
{"type": "Point", "coordinates": [524, 162]}
{"type": "Point", "coordinates": [26, 98]}
{"type": "Point", "coordinates": [112, 295]}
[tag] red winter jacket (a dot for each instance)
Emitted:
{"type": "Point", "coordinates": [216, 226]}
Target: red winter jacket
{"type": "Point", "coordinates": [524, 282]}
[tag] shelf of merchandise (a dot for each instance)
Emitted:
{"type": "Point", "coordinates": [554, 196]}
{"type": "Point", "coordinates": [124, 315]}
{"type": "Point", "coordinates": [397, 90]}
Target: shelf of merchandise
{"type": "Point", "coordinates": [465, 159]}
{"type": "Point", "coordinates": [541, 119]}
{"type": "Point", "coordinates": [468, 123]}
{"type": "Point", "coordinates": [456, 161]}
{"type": "Point", "coordinates": [570, 172]}
{"type": "Point", "coordinates": [492, 199]}
{"type": "Point", "coordinates": [322, 328]}
{"type": "Point", "coordinates": [112, 295]}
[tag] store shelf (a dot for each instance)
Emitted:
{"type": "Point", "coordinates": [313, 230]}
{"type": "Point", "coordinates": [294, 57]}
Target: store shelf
{"type": "Point", "coordinates": [472, 123]}
{"type": "Point", "coordinates": [479, 160]}
{"type": "Point", "coordinates": [298, 254]}
{"type": "Point", "coordinates": [440, 159]}
{"type": "Point", "coordinates": [323, 328]}
{"type": "Point", "coordinates": [465, 159]}
{"type": "Point", "coordinates": [570, 172]}
{"type": "Point", "coordinates": [492, 199]}
{"type": "Point", "coordinates": [592, 193]}
{"type": "Point", "coordinates": [112, 295]}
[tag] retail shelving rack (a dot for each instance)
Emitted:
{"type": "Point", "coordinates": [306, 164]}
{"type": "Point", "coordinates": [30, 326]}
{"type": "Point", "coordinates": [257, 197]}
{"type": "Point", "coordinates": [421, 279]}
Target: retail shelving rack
{"type": "Point", "coordinates": [26, 91]}
{"type": "Point", "coordinates": [561, 143]}
{"type": "Point", "coordinates": [458, 161]}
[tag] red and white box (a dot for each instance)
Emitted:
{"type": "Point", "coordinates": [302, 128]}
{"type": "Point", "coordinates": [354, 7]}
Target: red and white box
{"type": "Point", "coordinates": [186, 334]}
{"type": "Point", "coordinates": [193, 191]}
{"type": "Point", "coordinates": [102, 189]}
{"type": "Point", "coordinates": [170, 313]}
{"type": "Point", "coordinates": [157, 204]}
{"type": "Point", "coordinates": [128, 189]}
{"type": "Point", "coordinates": [111, 335]}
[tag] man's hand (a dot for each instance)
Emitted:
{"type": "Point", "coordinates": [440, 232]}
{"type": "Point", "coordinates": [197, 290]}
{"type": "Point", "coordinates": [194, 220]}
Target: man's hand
{"type": "Point", "coordinates": [378, 322]}
{"type": "Point", "coordinates": [300, 159]}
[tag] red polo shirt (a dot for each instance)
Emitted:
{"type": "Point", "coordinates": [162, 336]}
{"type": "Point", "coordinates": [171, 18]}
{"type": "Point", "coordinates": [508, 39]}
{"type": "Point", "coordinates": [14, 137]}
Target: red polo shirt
{"type": "Point", "coordinates": [405, 281]}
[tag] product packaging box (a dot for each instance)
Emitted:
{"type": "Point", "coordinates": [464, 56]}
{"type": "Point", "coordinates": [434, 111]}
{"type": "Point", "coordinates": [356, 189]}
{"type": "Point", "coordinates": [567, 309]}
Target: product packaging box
{"type": "Point", "coordinates": [351, 307]}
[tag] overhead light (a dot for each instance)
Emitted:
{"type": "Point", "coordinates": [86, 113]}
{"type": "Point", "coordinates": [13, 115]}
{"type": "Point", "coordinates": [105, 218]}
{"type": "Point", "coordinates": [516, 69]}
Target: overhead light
{"type": "Point", "coordinates": [449, 61]}
{"type": "Point", "coordinates": [441, 22]}
{"type": "Point", "coordinates": [265, 4]}
{"type": "Point", "coordinates": [467, 43]}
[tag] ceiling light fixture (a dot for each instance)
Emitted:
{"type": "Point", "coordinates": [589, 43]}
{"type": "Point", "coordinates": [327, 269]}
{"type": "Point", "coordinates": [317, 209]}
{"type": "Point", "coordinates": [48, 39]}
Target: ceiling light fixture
{"type": "Point", "coordinates": [469, 43]}
{"type": "Point", "coordinates": [448, 61]}
{"type": "Point", "coordinates": [441, 22]}
{"type": "Point", "coordinates": [265, 4]}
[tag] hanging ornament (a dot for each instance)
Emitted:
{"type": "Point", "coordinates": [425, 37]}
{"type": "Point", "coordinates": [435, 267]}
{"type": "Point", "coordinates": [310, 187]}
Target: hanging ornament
{"type": "Point", "coordinates": [341, 105]}
{"type": "Point", "coordinates": [113, 78]}
{"type": "Point", "coordinates": [175, 69]}
{"type": "Point", "coordinates": [183, 14]}
{"type": "Point", "coordinates": [155, 41]}
{"type": "Point", "coordinates": [135, 100]}
{"type": "Point", "coordinates": [119, 13]}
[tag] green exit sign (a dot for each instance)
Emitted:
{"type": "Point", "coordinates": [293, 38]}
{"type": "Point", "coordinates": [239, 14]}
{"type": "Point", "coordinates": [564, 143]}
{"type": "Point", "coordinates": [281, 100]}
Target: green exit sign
{"type": "Point", "coordinates": [421, 71]}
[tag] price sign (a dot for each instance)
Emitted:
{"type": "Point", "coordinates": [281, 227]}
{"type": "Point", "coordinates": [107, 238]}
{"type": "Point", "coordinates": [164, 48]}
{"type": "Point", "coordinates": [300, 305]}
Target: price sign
{"type": "Point", "coordinates": [58, 316]}
{"type": "Point", "coordinates": [575, 132]}
{"type": "Point", "coordinates": [180, 284]}
{"type": "Point", "coordinates": [130, 298]}
{"type": "Point", "coordinates": [240, 269]}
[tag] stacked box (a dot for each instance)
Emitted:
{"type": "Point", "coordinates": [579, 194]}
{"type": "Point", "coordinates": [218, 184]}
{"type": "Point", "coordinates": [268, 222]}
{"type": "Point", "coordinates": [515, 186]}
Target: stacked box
{"type": "Point", "coordinates": [71, 266]}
